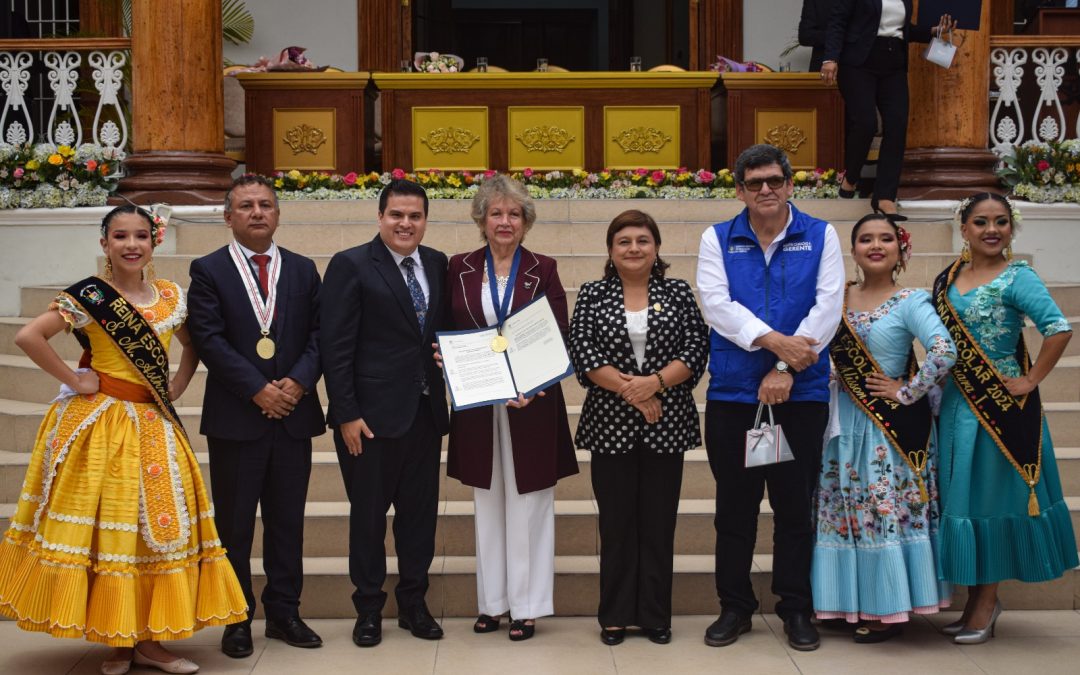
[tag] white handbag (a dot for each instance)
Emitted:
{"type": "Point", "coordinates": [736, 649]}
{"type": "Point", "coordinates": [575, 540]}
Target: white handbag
{"type": "Point", "coordinates": [765, 443]}
{"type": "Point", "coordinates": [940, 52]}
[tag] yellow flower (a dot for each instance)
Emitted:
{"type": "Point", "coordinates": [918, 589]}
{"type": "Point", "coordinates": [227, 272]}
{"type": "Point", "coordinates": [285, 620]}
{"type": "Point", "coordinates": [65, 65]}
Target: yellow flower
{"type": "Point", "coordinates": [55, 159]}
{"type": "Point", "coordinates": [454, 180]}
{"type": "Point", "coordinates": [278, 183]}
{"type": "Point", "coordinates": [800, 176]}
{"type": "Point", "coordinates": [33, 165]}
{"type": "Point", "coordinates": [66, 151]}
{"type": "Point", "coordinates": [294, 174]}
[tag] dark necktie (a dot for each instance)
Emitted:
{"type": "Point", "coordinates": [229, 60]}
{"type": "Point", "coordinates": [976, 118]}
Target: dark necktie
{"type": "Point", "coordinates": [262, 261]}
{"type": "Point", "coordinates": [417, 293]}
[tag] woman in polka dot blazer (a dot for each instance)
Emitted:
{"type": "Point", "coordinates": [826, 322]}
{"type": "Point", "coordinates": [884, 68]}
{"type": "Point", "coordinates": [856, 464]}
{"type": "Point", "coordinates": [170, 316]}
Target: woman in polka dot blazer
{"type": "Point", "coordinates": [640, 346]}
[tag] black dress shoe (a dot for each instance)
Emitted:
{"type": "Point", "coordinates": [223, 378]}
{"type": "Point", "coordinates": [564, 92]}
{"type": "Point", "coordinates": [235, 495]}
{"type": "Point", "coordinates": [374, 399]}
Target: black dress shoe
{"type": "Point", "coordinates": [660, 636]}
{"type": "Point", "coordinates": [801, 634]}
{"type": "Point", "coordinates": [612, 636]}
{"type": "Point", "coordinates": [294, 632]}
{"type": "Point", "coordinates": [418, 621]}
{"type": "Point", "coordinates": [236, 640]}
{"type": "Point", "coordinates": [727, 629]}
{"type": "Point", "coordinates": [368, 630]}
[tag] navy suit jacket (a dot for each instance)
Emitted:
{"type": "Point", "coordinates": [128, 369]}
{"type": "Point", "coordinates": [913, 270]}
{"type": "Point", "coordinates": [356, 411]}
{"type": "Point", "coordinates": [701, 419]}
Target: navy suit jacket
{"type": "Point", "coordinates": [377, 360]}
{"type": "Point", "coordinates": [853, 26]}
{"type": "Point", "coordinates": [224, 330]}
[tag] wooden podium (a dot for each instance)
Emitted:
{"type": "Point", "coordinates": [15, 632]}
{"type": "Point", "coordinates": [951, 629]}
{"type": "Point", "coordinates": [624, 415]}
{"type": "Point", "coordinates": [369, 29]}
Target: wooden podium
{"type": "Point", "coordinates": [793, 111]}
{"type": "Point", "coordinates": [308, 121]}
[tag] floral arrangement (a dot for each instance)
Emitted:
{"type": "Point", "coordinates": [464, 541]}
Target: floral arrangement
{"type": "Point", "coordinates": [726, 65]}
{"type": "Point", "coordinates": [1043, 172]}
{"type": "Point", "coordinates": [47, 175]}
{"type": "Point", "coordinates": [577, 184]}
{"type": "Point", "coordinates": [434, 62]}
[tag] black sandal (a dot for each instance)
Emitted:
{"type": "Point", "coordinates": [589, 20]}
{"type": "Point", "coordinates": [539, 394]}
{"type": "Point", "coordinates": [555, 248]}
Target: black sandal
{"type": "Point", "coordinates": [486, 624]}
{"type": "Point", "coordinates": [519, 630]}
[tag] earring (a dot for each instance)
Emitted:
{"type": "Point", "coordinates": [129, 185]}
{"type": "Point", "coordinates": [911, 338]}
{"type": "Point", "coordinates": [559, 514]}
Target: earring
{"type": "Point", "coordinates": [965, 252]}
{"type": "Point", "coordinates": [895, 273]}
{"type": "Point", "coordinates": [1008, 252]}
{"type": "Point", "coordinates": [108, 269]}
{"type": "Point", "coordinates": [148, 272]}
{"type": "Point", "coordinates": [858, 276]}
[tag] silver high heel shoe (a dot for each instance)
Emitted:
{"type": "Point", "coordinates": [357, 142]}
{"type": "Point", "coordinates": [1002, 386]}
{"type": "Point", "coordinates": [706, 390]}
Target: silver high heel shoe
{"type": "Point", "coordinates": [977, 637]}
{"type": "Point", "coordinates": [953, 628]}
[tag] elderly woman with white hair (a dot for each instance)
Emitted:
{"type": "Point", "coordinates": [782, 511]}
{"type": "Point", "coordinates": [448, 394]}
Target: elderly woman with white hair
{"type": "Point", "coordinates": [512, 454]}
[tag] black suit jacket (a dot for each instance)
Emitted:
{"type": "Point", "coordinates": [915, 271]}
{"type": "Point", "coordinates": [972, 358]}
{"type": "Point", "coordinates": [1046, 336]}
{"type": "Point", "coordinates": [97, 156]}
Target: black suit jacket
{"type": "Point", "coordinates": [813, 24]}
{"type": "Point", "coordinates": [853, 26]}
{"type": "Point", "coordinates": [377, 361]}
{"type": "Point", "coordinates": [224, 330]}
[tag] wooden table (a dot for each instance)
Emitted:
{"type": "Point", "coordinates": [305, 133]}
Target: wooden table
{"type": "Point", "coordinates": [308, 121]}
{"type": "Point", "coordinates": [793, 111]}
{"type": "Point", "coordinates": [545, 121]}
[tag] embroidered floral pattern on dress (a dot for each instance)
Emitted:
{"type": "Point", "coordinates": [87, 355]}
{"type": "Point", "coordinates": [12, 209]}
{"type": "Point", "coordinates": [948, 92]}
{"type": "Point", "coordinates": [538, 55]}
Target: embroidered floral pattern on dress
{"type": "Point", "coordinates": [1054, 327]}
{"type": "Point", "coordinates": [70, 310]}
{"type": "Point", "coordinates": [890, 504]}
{"type": "Point", "coordinates": [940, 357]}
{"type": "Point", "coordinates": [162, 508]}
{"type": "Point", "coordinates": [862, 321]}
{"type": "Point", "coordinates": [986, 315]}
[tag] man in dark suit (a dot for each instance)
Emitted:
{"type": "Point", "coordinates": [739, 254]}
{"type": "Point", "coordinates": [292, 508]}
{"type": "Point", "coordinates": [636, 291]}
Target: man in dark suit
{"type": "Point", "coordinates": [254, 318]}
{"type": "Point", "coordinates": [387, 405]}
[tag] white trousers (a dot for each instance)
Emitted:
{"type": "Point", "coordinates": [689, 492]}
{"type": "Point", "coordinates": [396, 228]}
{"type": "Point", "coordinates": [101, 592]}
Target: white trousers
{"type": "Point", "coordinates": [515, 538]}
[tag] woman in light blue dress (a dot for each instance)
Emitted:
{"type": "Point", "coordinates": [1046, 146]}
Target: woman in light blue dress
{"type": "Point", "coordinates": [876, 504]}
{"type": "Point", "coordinates": [1003, 515]}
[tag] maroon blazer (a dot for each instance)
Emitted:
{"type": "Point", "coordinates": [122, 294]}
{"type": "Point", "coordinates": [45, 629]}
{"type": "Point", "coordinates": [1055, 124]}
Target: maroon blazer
{"type": "Point", "coordinates": [540, 432]}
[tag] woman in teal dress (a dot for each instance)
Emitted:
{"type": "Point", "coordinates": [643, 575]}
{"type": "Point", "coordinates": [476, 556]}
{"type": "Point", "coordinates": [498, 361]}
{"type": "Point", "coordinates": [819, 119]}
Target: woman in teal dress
{"type": "Point", "coordinates": [877, 496]}
{"type": "Point", "coordinates": [1003, 515]}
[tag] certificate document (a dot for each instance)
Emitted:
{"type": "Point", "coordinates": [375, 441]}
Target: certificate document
{"type": "Point", "coordinates": [535, 358]}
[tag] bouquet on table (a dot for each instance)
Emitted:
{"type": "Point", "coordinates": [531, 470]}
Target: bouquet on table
{"type": "Point", "coordinates": [434, 62]}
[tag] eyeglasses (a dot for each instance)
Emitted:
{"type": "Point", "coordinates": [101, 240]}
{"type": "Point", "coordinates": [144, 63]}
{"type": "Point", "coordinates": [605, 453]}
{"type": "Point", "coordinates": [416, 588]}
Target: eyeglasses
{"type": "Point", "coordinates": [774, 183]}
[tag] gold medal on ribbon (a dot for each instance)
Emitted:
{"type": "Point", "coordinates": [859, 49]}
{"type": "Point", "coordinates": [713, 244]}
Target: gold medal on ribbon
{"type": "Point", "coordinates": [265, 347]}
{"type": "Point", "coordinates": [499, 344]}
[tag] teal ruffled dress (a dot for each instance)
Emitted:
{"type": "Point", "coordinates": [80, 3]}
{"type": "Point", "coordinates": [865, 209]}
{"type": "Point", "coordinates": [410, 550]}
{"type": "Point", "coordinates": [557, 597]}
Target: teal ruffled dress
{"type": "Point", "coordinates": [874, 548]}
{"type": "Point", "coordinates": [986, 534]}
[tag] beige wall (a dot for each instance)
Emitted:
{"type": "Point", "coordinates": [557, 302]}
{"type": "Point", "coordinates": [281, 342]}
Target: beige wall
{"type": "Point", "coordinates": [769, 26]}
{"type": "Point", "coordinates": [328, 28]}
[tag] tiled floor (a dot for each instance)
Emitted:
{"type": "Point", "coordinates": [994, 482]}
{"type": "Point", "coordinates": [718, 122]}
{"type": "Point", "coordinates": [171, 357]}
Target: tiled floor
{"type": "Point", "coordinates": [1042, 642]}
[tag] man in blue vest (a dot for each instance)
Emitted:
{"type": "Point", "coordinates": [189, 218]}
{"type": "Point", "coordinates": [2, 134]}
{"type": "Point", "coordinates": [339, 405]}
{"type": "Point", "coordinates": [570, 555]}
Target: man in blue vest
{"type": "Point", "coordinates": [771, 283]}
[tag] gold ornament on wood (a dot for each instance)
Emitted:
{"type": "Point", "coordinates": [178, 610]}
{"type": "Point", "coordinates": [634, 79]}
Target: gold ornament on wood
{"type": "Point", "coordinates": [304, 138]}
{"type": "Point", "coordinates": [545, 138]}
{"type": "Point", "coordinates": [787, 137]}
{"type": "Point", "coordinates": [641, 139]}
{"type": "Point", "coordinates": [450, 140]}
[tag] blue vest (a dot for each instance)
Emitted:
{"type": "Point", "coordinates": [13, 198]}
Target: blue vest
{"type": "Point", "coordinates": [781, 294]}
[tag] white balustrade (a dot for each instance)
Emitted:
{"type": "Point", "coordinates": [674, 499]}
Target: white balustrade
{"type": "Point", "coordinates": [1046, 120]}
{"type": "Point", "coordinates": [109, 128]}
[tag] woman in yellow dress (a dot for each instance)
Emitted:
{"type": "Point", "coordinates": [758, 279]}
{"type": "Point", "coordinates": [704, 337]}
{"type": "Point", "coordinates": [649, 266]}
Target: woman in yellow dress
{"type": "Point", "coordinates": [113, 538]}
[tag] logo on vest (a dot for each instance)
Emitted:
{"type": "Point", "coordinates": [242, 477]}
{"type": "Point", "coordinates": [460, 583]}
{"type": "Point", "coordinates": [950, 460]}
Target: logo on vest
{"type": "Point", "coordinates": [798, 246]}
{"type": "Point", "coordinates": [740, 248]}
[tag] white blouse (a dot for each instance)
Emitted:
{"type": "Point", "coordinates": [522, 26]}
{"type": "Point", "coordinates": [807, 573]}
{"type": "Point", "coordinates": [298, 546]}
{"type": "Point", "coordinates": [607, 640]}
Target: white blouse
{"type": "Point", "coordinates": [892, 19]}
{"type": "Point", "coordinates": [637, 326]}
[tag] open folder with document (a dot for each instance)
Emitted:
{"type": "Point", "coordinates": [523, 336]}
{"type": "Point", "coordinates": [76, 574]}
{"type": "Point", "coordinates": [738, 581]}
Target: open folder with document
{"type": "Point", "coordinates": [483, 367]}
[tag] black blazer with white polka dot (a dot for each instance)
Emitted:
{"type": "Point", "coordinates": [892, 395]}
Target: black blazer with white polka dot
{"type": "Point", "coordinates": [598, 337]}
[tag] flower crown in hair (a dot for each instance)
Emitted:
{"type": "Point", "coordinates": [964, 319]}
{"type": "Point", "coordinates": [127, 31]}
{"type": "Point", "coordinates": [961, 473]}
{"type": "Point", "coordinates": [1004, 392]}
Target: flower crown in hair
{"type": "Point", "coordinates": [966, 202]}
{"type": "Point", "coordinates": [904, 237]}
{"type": "Point", "coordinates": [159, 216]}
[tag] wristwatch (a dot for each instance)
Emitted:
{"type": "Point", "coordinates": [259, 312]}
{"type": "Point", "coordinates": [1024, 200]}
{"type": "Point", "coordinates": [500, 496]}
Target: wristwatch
{"type": "Point", "coordinates": [782, 367]}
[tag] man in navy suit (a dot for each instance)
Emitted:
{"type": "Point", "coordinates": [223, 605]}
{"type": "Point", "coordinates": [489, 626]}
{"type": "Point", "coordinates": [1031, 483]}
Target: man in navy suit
{"type": "Point", "coordinates": [254, 318]}
{"type": "Point", "coordinates": [388, 405]}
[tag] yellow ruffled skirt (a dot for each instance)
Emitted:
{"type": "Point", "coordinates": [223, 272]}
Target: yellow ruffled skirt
{"type": "Point", "coordinates": [114, 538]}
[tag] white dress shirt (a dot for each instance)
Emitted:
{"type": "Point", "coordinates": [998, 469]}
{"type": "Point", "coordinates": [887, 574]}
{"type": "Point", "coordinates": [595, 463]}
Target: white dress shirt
{"type": "Point", "coordinates": [272, 252]}
{"type": "Point", "coordinates": [892, 19]}
{"type": "Point", "coordinates": [738, 324]}
{"type": "Point", "coordinates": [418, 269]}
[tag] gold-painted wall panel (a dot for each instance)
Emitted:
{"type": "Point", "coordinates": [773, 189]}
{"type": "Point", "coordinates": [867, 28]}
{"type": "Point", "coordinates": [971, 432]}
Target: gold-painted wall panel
{"type": "Point", "coordinates": [305, 139]}
{"type": "Point", "coordinates": [450, 138]}
{"type": "Point", "coordinates": [546, 138]}
{"type": "Point", "coordinates": [793, 131]}
{"type": "Point", "coordinates": [641, 137]}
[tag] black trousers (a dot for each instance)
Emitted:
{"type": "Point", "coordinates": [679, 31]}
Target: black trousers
{"type": "Point", "coordinates": [878, 85]}
{"type": "Point", "coordinates": [637, 494]}
{"type": "Point", "coordinates": [403, 472]}
{"type": "Point", "coordinates": [272, 471]}
{"type": "Point", "coordinates": [738, 500]}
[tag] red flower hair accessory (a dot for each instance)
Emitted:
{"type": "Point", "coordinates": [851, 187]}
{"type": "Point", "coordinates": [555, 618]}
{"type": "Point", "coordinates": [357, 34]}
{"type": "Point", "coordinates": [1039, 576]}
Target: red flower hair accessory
{"type": "Point", "coordinates": [904, 238]}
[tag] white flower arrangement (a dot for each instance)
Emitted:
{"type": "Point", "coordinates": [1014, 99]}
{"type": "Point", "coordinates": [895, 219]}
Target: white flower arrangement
{"type": "Point", "coordinates": [434, 62]}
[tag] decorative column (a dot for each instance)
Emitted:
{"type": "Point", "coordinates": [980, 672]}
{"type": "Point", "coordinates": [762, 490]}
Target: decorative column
{"type": "Point", "coordinates": [716, 27]}
{"type": "Point", "coordinates": [948, 126]}
{"type": "Point", "coordinates": [177, 110]}
{"type": "Point", "coordinates": [385, 30]}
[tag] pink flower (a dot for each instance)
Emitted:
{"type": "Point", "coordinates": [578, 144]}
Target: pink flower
{"type": "Point", "coordinates": [527, 172]}
{"type": "Point", "coordinates": [641, 172]}
{"type": "Point", "coordinates": [658, 176]}
{"type": "Point", "coordinates": [349, 178]}
{"type": "Point", "coordinates": [91, 165]}
{"type": "Point", "coordinates": [397, 173]}
{"type": "Point", "coordinates": [19, 172]}
{"type": "Point", "coordinates": [489, 173]}
{"type": "Point", "coordinates": [705, 176]}
{"type": "Point", "coordinates": [1043, 165]}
